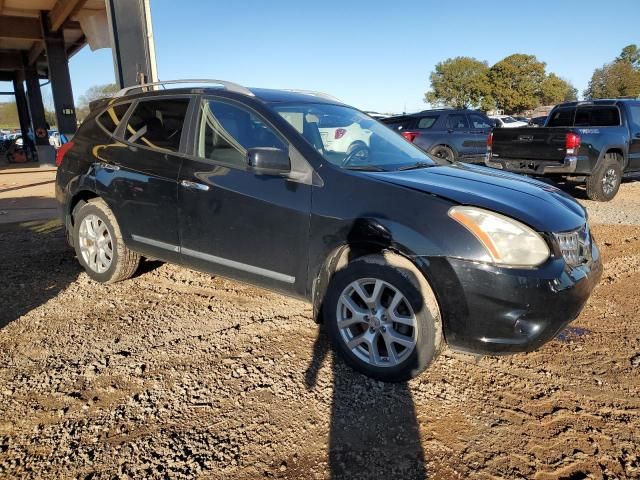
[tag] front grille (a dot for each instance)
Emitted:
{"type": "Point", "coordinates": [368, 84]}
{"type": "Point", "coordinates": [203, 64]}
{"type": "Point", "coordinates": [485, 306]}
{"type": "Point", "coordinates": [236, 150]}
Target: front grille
{"type": "Point", "coordinates": [575, 246]}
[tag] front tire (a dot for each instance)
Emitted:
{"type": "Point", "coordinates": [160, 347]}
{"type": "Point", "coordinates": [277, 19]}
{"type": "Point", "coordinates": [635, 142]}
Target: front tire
{"type": "Point", "coordinates": [604, 184]}
{"type": "Point", "coordinates": [98, 243]}
{"type": "Point", "coordinates": [383, 317]}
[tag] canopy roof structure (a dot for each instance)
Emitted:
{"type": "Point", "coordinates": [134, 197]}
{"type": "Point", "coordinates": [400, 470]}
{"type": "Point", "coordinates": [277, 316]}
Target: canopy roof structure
{"type": "Point", "coordinates": [37, 38]}
{"type": "Point", "coordinates": [21, 31]}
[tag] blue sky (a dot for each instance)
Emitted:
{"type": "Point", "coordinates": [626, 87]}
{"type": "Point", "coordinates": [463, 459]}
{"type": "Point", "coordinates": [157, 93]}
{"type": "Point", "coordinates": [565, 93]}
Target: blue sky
{"type": "Point", "coordinates": [373, 54]}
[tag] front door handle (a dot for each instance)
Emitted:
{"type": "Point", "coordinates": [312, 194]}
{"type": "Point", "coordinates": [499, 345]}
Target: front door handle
{"type": "Point", "coordinates": [110, 167]}
{"type": "Point", "coordinates": [194, 185]}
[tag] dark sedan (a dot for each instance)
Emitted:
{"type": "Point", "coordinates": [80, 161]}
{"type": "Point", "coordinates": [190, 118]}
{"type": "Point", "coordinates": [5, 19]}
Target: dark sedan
{"type": "Point", "coordinates": [397, 254]}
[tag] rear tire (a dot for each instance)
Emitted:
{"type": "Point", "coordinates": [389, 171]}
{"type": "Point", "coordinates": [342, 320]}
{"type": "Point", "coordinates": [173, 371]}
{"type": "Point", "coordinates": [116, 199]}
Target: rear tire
{"type": "Point", "coordinates": [98, 243]}
{"type": "Point", "coordinates": [443, 152]}
{"type": "Point", "coordinates": [396, 332]}
{"type": "Point", "coordinates": [605, 181]}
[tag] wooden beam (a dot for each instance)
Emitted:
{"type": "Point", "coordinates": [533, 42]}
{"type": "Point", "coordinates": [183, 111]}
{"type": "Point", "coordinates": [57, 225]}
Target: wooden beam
{"type": "Point", "coordinates": [1, 6]}
{"type": "Point", "coordinates": [23, 28]}
{"type": "Point", "coordinates": [35, 52]}
{"type": "Point", "coordinates": [62, 11]}
{"type": "Point", "coordinates": [75, 47]}
{"type": "Point", "coordinates": [11, 61]}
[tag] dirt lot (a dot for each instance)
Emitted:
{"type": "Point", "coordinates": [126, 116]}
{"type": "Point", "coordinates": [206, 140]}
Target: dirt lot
{"type": "Point", "coordinates": [176, 374]}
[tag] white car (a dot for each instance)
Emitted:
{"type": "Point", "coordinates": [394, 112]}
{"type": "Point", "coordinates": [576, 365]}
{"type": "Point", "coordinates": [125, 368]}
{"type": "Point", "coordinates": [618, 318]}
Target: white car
{"type": "Point", "coordinates": [505, 121]}
{"type": "Point", "coordinates": [341, 138]}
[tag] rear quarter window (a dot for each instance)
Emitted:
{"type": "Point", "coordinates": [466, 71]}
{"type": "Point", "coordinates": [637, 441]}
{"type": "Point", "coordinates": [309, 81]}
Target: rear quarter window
{"type": "Point", "coordinates": [111, 117]}
{"type": "Point", "coordinates": [427, 122]}
{"type": "Point", "coordinates": [562, 117]}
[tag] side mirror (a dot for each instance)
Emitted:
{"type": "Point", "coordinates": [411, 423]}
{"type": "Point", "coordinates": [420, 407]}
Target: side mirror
{"type": "Point", "coordinates": [268, 161]}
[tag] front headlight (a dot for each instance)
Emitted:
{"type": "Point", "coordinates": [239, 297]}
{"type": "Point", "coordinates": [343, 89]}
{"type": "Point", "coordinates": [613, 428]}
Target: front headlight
{"type": "Point", "coordinates": [507, 241]}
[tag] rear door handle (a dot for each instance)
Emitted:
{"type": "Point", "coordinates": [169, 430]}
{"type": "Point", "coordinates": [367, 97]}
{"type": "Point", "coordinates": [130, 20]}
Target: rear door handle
{"type": "Point", "coordinates": [194, 185]}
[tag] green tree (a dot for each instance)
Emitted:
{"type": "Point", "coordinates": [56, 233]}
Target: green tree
{"type": "Point", "coordinates": [516, 82]}
{"type": "Point", "coordinates": [617, 79]}
{"type": "Point", "coordinates": [554, 89]}
{"type": "Point", "coordinates": [9, 115]}
{"type": "Point", "coordinates": [631, 54]}
{"type": "Point", "coordinates": [460, 82]}
{"type": "Point", "coordinates": [93, 93]}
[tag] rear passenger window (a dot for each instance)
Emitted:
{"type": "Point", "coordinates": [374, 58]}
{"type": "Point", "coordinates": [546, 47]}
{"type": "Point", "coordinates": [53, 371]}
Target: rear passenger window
{"type": "Point", "coordinates": [111, 117]}
{"type": "Point", "coordinates": [226, 131]}
{"type": "Point", "coordinates": [597, 117]}
{"type": "Point", "coordinates": [562, 117]}
{"type": "Point", "coordinates": [427, 122]}
{"type": "Point", "coordinates": [457, 121]}
{"type": "Point", "coordinates": [634, 110]}
{"type": "Point", "coordinates": [157, 123]}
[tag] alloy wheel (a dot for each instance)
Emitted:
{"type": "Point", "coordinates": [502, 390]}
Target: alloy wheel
{"type": "Point", "coordinates": [609, 181]}
{"type": "Point", "coordinates": [96, 244]}
{"type": "Point", "coordinates": [376, 322]}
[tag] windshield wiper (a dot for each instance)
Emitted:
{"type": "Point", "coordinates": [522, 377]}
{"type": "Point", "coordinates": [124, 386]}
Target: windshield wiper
{"type": "Point", "coordinates": [365, 168]}
{"type": "Point", "coordinates": [415, 166]}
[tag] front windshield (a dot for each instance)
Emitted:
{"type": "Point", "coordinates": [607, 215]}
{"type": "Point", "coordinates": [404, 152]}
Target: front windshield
{"type": "Point", "coordinates": [350, 139]}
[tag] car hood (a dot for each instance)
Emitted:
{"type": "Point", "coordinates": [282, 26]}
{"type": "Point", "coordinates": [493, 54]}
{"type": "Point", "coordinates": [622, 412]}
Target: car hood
{"type": "Point", "coordinates": [543, 207]}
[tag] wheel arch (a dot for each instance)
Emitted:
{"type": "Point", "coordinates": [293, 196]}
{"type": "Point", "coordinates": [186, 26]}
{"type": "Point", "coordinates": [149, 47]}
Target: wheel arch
{"type": "Point", "coordinates": [618, 150]}
{"type": "Point", "coordinates": [341, 256]}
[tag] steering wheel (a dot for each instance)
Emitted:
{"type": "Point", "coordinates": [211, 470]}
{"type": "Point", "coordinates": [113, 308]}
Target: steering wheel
{"type": "Point", "coordinates": [359, 151]}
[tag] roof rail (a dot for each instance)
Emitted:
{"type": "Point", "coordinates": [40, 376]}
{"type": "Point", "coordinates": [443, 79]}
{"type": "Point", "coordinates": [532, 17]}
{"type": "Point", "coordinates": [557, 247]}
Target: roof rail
{"type": "Point", "coordinates": [326, 96]}
{"type": "Point", "coordinates": [230, 86]}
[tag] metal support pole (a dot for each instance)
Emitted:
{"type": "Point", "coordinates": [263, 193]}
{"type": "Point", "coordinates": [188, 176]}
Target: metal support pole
{"type": "Point", "coordinates": [46, 153]}
{"type": "Point", "coordinates": [23, 112]}
{"type": "Point", "coordinates": [134, 57]}
{"type": "Point", "coordinates": [58, 64]}
{"type": "Point", "coordinates": [36, 107]}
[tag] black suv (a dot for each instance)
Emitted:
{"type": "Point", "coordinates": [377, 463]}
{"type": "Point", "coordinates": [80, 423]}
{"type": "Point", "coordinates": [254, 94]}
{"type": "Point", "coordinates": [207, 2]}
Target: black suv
{"type": "Point", "coordinates": [396, 253]}
{"type": "Point", "coordinates": [447, 134]}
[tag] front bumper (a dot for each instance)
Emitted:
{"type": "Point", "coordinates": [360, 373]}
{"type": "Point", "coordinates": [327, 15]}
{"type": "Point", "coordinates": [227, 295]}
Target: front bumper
{"type": "Point", "coordinates": [534, 167]}
{"type": "Point", "coordinates": [491, 310]}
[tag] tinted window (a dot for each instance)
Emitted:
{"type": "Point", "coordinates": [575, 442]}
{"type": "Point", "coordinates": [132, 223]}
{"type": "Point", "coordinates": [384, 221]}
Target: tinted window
{"type": "Point", "coordinates": [634, 111]}
{"type": "Point", "coordinates": [478, 121]}
{"type": "Point", "coordinates": [597, 117]}
{"type": "Point", "coordinates": [226, 131]}
{"type": "Point", "coordinates": [158, 123]}
{"type": "Point", "coordinates": [398, 123]}
{"type": "Point", "coordinates": [427, 122]}
{"type": "Point", "coordinates": [111, 117]}
{"type": "Point", "coordinates": [457, 121]}
{"type": "Point", "coordinates": [561, 117]}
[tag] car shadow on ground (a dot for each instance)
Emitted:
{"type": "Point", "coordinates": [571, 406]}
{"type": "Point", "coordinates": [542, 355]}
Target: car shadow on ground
{"type": "Point", "coordinates": [36, 264]}
{"type": "Point", "coordinates": [374, 431]}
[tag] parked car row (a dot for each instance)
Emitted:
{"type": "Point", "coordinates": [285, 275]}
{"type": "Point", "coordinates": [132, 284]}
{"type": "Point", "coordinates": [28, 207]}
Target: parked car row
{"type": "Point", "coordinates": [398, 251]}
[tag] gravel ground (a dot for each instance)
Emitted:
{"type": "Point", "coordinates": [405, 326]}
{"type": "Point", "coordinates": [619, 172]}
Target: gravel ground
{"type": "Point", "coordinates": [175, 374]}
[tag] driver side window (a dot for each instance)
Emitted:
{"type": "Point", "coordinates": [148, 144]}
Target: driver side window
{"type": "Point", "coordinates": [226, 131]}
